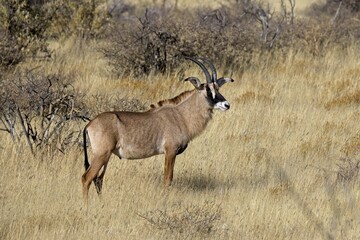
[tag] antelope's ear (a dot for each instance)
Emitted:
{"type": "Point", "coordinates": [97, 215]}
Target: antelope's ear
{"type": "Point", "coordinates": [195, 81]}
{"type": "Point", "coordinates": [221, 81]}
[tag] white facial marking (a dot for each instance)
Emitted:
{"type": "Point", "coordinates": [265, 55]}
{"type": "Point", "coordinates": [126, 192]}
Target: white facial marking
{"type": "Point", "coordinates": [223, 106]}
{"type": "Point", "coordinates": [211, 86]}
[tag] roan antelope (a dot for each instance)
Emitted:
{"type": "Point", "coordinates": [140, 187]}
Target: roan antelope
{"type": "Point", "coordinates": [166, 128]}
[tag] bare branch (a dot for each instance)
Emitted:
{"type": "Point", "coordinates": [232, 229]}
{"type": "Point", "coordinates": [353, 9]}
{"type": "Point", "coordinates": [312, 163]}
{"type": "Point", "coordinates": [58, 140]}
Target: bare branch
{"type": "Point", "coordinates": [25, 130]}
{"type": "Point", "coordinates": [11, 126]}
{"type": "Point", "coordinates": [292, 10]}
{"type": "Point", "coordinates": [263, 18]}
{"type": "Point", "coordinates": [275, 36]}
{"type": "Point", "coordinates": [6, 129]}
{"type": "Point", "coordinates": [336, 14]}
{"type": "Point", "coordinates": [283, 8]}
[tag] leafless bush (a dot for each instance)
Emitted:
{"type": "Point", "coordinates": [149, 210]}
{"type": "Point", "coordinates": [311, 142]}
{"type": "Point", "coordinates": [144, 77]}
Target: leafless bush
{"type": "Point", "coordinates": [335, 10]}
{"type": "Point", "coordinates": [190, 220]}
{"type": "Point", "coordinates": [324, 28]}
{"type": "Point", "coordinates": [352, 5]}
{"type": "Point", "coordinates": [46, 112]}
{"type": "Point", "coordinates": [231, 36]}
{"type": "Point", "coordinates": [145, 45]}
{"type": "Point", "coordinates": [39, 108]}
{"type": "Point", "coordinates": [158, 41]}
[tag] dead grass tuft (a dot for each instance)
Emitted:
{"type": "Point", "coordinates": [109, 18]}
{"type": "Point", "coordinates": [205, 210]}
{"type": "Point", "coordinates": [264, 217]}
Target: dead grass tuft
{"type": "Point", "coordinates": [189, 220]}
{"type": "Point", "coordinates": [348, 170]}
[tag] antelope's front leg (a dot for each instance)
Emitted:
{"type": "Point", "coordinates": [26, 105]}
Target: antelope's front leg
{"type": "Point", "coordinates": [169, 167]}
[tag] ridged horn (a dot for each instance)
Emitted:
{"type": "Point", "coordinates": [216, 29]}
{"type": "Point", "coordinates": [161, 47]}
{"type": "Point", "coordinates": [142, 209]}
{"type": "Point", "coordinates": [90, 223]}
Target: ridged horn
{"type": "Point", "coordinates": [202, 66]}
{"type": "Point", "coordinates": [212, 67]}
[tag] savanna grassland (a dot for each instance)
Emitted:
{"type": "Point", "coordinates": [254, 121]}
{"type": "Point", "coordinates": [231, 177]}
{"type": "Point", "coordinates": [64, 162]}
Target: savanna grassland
{"type": "Point", "coordinates": [282, 163]}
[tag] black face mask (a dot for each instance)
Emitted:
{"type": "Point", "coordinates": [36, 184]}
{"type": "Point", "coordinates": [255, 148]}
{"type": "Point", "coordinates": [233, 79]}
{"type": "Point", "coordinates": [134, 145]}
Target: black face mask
{"type": "Point", "coordinates": [211, 100]}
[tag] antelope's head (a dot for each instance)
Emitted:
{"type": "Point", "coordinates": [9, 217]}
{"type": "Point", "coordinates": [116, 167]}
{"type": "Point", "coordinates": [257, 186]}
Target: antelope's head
{"type": "Point", "coordinates": [210, 89]}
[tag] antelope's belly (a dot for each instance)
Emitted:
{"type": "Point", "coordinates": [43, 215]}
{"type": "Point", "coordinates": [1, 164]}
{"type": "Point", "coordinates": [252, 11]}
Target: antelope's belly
{"type": "Point", "coordinates": [135, 152]}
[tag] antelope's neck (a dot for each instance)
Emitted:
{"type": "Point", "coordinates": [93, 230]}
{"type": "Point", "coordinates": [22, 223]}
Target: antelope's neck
{"type": "Point", "coordinates": [196, 112]}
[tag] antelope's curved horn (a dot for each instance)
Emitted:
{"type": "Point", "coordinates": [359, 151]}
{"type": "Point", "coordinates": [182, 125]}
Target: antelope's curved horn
{"type": "Point", "coordinates": [213, 69]}
{"type": "Point", "coordinates": [202, 66]}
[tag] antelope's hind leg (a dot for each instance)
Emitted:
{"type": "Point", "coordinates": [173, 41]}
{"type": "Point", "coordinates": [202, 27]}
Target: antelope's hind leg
{"type": "Point", "coordinates": [98, 181]}
{"type": "Point", "coordinates": [92, 172]}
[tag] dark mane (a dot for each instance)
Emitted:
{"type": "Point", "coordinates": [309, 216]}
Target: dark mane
{"type": "Point", "coordinates": [173, 101]}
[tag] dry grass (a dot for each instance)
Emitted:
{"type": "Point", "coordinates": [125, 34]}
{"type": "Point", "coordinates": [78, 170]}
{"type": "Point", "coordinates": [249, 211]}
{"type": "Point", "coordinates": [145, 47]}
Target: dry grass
{"type": "Point", "coordinates": [266, 169]}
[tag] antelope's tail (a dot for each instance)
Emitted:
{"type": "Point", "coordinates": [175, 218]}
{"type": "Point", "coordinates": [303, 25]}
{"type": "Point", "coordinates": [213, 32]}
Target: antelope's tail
{"type": "Point", "coordinates": [86, 161]}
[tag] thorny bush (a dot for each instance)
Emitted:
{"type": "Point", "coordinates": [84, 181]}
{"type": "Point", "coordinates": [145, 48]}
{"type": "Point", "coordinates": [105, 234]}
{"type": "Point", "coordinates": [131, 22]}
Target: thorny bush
{"type": "Point", "coordinates": [47, 113]}
{"type": "Point", "coordinates": [41, 109]}
{"type": "Point", "coordinates": [190, 220]}
{"type": "Point", "coordinates": [231, 36]}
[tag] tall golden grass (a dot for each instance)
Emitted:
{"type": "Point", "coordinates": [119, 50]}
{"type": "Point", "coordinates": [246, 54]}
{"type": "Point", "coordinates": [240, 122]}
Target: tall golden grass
{"type": "Point", "coordinates": [282, 163]}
